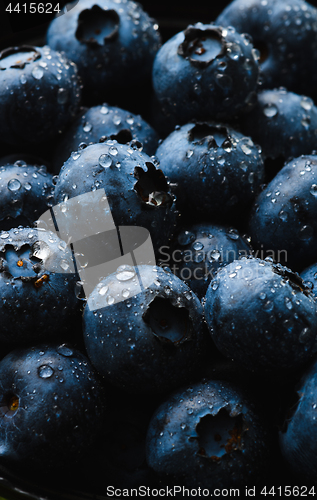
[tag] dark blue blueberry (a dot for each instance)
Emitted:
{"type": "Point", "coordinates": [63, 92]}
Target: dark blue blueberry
{"type": "Point", "coordinates": [51, 407]}
{"type": "Point", "coordinates": [261, 315]}
{"type": "Point", "coordinates": [137, 191]}
{"type": "Point", "coordinates": [309, 275]}
{"type": "Point", "coordinates": [26, 191]}
{"type": "Point", "coordinates": [215, 170]}
{"type": "Point", "coordinates": [37, 287]}
{"type": "Point", "coordinates": [286, 37]}
{"type": "Point", "coordinates": [284, 124]}
{"type": "Point", "coordinates": [283, 222]}
{"type": "Point", "coordinates": [144, 339]}
{"type": "Point", "coordinates": [39, 94]}
{"type": "Point", "coordinates": [205, 71]}
{"type": "Point", "coordinates": [113, 44]}
{"type": "Point", "coordinates": [199, 250]}
{"type": "Point", "coordinates": [298, 434]}
{"type": "Point", "coordinates": [103, 122]}
{"type": "Point", "coordinates": [208, 434]}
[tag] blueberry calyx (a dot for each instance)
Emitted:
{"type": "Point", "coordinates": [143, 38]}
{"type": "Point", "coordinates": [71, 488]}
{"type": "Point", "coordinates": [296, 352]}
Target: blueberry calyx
{"type": "Point", "coordinates": [31, 55]}
{"type": "Point", "coordinates": [219, 435]}
{"type": "Point", "coordinates": [216, 136]}
{"type": "Point", "coordinates": [96, 26]}
{"type": "Point", "coordinates": [201, 47]}
{"type": "Point", "coordinates": [152, 186]}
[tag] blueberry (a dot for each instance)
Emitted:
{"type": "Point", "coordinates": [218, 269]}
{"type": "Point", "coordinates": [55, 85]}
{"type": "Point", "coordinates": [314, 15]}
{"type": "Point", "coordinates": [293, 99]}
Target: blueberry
{"type": "Point", "coordinates": [283, 220]}
{"type": "Point", "coordinates": [215, 170]}
{"type": "Point", "coordinates": [39, 94]}
{"type": "Point", "coordinates": [208, 434]}
{"type": "Point", "coordinates": [51, 407]}
{"type": "Point", "coordinates": [143, 330]}
{"type": "Point", "coordinates": [202, 72]}
{"type": "Point", "coordinates": [103, 122]}
{"type": "Point", "coordinates": [37, 287]}
{"type": "Point", "coordinates": [298, 434]}
{"type": "Point", "coordinates": [284, 124]}
{"type": "Point", "coordinates": [26, 191]}
{"type": "Point", "coordinates": [112, 43]}
{"type": "Point", "coordinates": [261, 315]}
{"type": "Point", "coordinates": [137, 191]}
{"type": "Point", "coordinates": [199, 250]}
{"type": "Point", "coordinates": [285, 36]}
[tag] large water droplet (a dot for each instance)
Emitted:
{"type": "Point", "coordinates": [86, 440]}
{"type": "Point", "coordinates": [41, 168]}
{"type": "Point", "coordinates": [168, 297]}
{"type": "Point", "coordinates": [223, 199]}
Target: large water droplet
{"type": "Point", "coordinates": [45, 371]}
{"type": "Point", "coordinates": [64, 350]}
{"type": "Point", "coordinates": [198, 246]}
{"type": "Point", "coordinates": [313, 189]}
{"type": "Point", "coordinates": [270, 110]}
{"type": "Point", "coordinates": [14, 185]}
{"type": "Point", "coordinates": [105, 161]}
{"type": "Point", "coordinates": [125, 273]}
{"type": "Point", "coordinates": [37, 73]}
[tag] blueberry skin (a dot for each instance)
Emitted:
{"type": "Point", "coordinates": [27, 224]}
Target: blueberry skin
{"type": "Point", "coordinates": [261, 315]}
{"type": "Point", "coordinates": [284, 124]}
{"type": "Point", "coordinates": [40, 93]}
{"type": "Point", "coordinates": [199, 250]}
{"type": "Point", "coordinates": [309, 276]}
{"type": "Point", "coordinates": [297, 437]}
{"type": "Point", "coordinates": [215, 170]}
{"type": "Point", "coordinates": [26, 191]}
{"type": "Point", "coordinates": [207, 434]}
{"type": "Point", "coordinates": [122, 53]}
{"type": "Point", "coordinates": [137, 191]}
{"type": "Point", "coordinates": [37, 288]}
{"type": "Point", "coordinates": [152, 341]}
{"type": "Point", "coordinates": [205, 71]}
{"type": "Point", "coordinates": [97, 123]}
{"type": "Point", "coordinates": [284, 33]}
{"type": "Point", "coordinates": [283, 219]}
{"type": "Point", "coordinates": [51, 409]}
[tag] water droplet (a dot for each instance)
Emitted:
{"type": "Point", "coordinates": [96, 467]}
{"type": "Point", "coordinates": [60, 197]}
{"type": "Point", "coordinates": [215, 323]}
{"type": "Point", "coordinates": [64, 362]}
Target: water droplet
{"type": "Point", "coordinates": [313, 189]}
{"type": "Point", "coordinates": [246, 149]}
{"type": "Point", "coordinates": [27, 186]}
{"type": "Point", "coordinates": [64, 265]}
{"type": "Point", "coordinates": [262, 296]}
{"type": "Point", "coordinates": [288, 303]}
{"type": "Point", "coordinates": [37, 73]}
{"type": "Point", "coordinates": [64, 350]}
{"type": "Point", "coordinates": [87, 127]}
{"type": "Point", "coordinates": [23, 79]}
{"type": "Point", "coordinates": [234, 51]}
{"type": "Point", "coordinates": [198, 246]}
{"type": "Point", "coordinates": [4, 235]}
{"type": "Point", "coordinates": [75, 155]}
{"type": "Point", "coordinates": [189, 153]}
{"type": "Point", "coordinates": [110, 300]}
{"type": "Point", "coordinates": [125, 293]}
{"type": "Point", "coordinates": [45, 371]}
{"type": "Point", "coordinates": [215, 285]}
{"type": "Point", "coordinates": [233, 234]}
{"type": "Point", "coordinates": [305, 335]}
{"type": "Point", "coordinates": [103, 290]}
{"type": "Point", "coordinates": [62, 96]}
{"type": "Point", "coordinates": [305, 121]}
{"type": "Point", "coordinates": [268, 306]}
{"type": "Point", "coordinates": [214, 255]}
{"type": "Point", "coordinates": [104, 110]}
{"type": "Point", "coordinates": [243, 165]}
{"type": "Point", "coordinates": [113, 151]}
{"type": "Point", "coordinates": [14, 185]}
{"type": "Point", "coordinates": [283, 215]}
{"type": "Point", "coordinates": [306, 103]}
{"type": "Point", "coordinates": [306, 233]}
{"type": "Point", "coordinates": [270, 110]}
{"type": "Point", "coordinates": [105, 161]}
{"type": "Point", "coordinates": [125, 273]}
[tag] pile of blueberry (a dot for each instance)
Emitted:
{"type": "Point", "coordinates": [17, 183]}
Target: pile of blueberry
{"type": "Point", "coordinates": [193, 363]}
